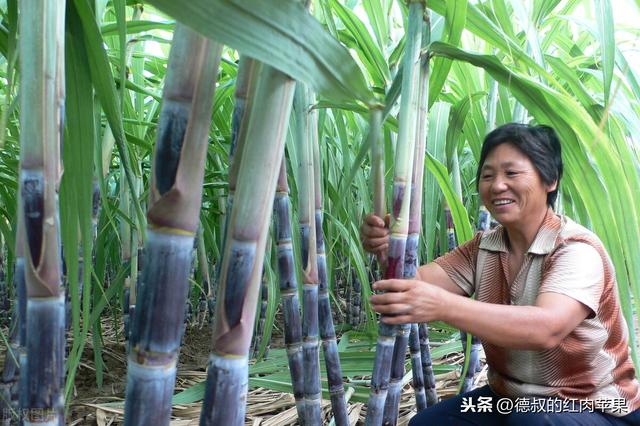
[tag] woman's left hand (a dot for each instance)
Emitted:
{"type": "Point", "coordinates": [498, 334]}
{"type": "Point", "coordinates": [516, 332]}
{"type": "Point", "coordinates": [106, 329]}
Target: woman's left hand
{"type": "Point", "coordinates": [409, 301]}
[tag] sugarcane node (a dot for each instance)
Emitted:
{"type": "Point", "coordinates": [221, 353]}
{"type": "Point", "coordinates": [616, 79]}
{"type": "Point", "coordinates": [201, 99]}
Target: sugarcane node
{"type": "Point", "coordinates": [241, 263]}
{"type": "Point", "coordinates": [153, 359]}
{"type": "Point", "coordinates": [32, 192]}
{"type": "Point", "coordinates": [173, 126]}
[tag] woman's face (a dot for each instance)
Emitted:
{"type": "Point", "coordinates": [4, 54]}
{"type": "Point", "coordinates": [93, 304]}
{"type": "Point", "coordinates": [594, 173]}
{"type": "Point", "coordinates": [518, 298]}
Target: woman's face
{"type": "Point", "coordinates": [511, 188]}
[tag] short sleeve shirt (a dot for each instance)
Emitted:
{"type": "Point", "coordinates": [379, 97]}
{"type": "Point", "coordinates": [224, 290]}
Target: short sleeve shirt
{"type": "Point", "coordinates": [592, 362]}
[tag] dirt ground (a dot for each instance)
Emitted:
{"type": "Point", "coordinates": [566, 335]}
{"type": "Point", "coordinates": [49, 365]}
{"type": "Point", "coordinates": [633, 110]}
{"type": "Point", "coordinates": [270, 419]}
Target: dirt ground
{"type": "Point", "coordinates": [92, 406]}
{"type": "Point", "coordinates": [95, 406]}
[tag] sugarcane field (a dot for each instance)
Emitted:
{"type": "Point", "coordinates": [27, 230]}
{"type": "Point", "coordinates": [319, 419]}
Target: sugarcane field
{"type": "Point", "coordinates": [319, 212]}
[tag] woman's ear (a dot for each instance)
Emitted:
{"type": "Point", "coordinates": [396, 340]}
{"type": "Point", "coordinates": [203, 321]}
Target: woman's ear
{"type": "Point", "coordinates": [553, 186]}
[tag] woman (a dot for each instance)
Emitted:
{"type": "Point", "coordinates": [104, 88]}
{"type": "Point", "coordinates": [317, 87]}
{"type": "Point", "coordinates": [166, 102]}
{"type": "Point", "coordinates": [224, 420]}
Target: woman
{"type": "Point", "coordinates": [546, 307]}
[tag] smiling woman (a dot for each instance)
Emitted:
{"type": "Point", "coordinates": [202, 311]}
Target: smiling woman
{"type": "Point", "coordinates": [546, 307]}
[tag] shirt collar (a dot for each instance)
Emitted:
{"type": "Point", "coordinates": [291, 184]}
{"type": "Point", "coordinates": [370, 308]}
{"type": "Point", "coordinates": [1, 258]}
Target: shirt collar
{"type": "Point", "coordinates": [545, 241]}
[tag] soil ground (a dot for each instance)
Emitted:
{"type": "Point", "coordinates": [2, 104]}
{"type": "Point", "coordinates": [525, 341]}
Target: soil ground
{"type": "Point", "coordinates": [94, 406]}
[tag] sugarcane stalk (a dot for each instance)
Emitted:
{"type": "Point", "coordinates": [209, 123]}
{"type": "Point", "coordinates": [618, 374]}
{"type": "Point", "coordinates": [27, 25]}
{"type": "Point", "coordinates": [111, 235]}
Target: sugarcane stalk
{"type": "Point", "coordinates": [416, 368]}
{"type": "Point", "coordinates": [246, 78]}
{"type": "Point", "coordinates": [306, 125]}
{"type": "Point", "coordinates": [173, 216]}
{"type": "Point", "coordinates": [484, 223]}
{"type": "Point", "coordinates": [42, 94]}
{"type": "Point", "coordinates": [392, 402]}
{"type": "Point", "coordinates": [262, 317]}
{"type": "Point", "coordinates": [451, 232]}
{"type": "Point", "coordinates": [403, 336]}
{"type": "Point", "coordinates": [411, 260]}
{"type": "Point", "coordinates": [377, 168]}
{"type": "Point", "coordinates": [400, 216]}
{"type": "Point", "coordinates": [420, 335]}
{"type": "Point", "coordinates": [349, 303]}
{"type": "Point", "coordinates": [484, 219]}
{"type": "Point", "coordinates": [356, 300]}
{"type": "Point", "coordinates": [243, 256]}
{"type": "Point", "coordinates": [327, 330]}
{"type": "Point", "coordinates": [203, 266]}
{"type": "Point", "coordinates": [21, 290]}
{"type": "Point", "coordinates": [289, 289]}
{"type": "Point", "coordinates": [472, 360]}
{"type": "Point", "coordinates": [125, 255]}
{"type": "Point", "coordinates": [427, 365]}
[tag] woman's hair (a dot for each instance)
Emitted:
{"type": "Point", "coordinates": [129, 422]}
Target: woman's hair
{"type": "Point", "coordinates": [539, 143]}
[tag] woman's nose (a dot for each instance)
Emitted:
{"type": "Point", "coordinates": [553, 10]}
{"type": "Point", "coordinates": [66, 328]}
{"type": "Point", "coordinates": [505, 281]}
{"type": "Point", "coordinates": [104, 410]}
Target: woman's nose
{"type": "Point", "coordinates": [498, 184]}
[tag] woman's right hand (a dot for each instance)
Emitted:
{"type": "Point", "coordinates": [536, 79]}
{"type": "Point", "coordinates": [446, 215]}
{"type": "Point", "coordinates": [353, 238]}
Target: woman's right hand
{"type": "Point", "coordinates": [374, 234]}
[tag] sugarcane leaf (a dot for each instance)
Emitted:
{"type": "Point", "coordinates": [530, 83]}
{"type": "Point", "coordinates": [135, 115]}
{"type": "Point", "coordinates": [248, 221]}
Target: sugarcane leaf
{"type": "Point", "coordinates": [282, 34]}
{"type": "Point", "coordinates": [367, 50]}
{"type": "Point", "coordinates": [499, 12]}
{"type": "Point", "coordinates": [459, 113]}
{"type": "Point", "coordinates": [629, 73]}
{"type": "Point", "coordinates": [480, 25]}
{"type": "Point", "coordinates": [455, 21]}
{"type": "Point", "coordinates": [542, 9]}
{"type": "Point", "coordinates": [606, 37]}
{"type": "Point", "coordinates": [138, 88]}
{"type": "Point", "coordinates": [437, 130]}
{"type": "Point", "coordinates": [4, 41]}
{"type": "Point", "coordinates": [464, 231]}
{"type": "Point", "coordinates": [531, 31]}
{"type": "Point", "coordinates": [105, 88]}
{"type": "Point", "coordinates": [76, 187]}
{"type": "Point", "coordinates": [12, 29]}
{"type": "Point", "coordinates": [135, 27]}
{"type": "Point", "coordinates": [378, 21]}
{"type": "Point", "coordinates": [121, 22]}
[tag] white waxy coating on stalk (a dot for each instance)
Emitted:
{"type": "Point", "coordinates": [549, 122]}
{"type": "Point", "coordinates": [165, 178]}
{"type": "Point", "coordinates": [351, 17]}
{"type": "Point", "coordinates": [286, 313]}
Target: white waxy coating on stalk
{"type": "Point", "coordinates": [274, 91]}
{"type": "Point", "coordinates": [408, 115]}
{"type": "Point", "coordinates": [254, 195]}
{"type": "Point", "coordinates": [377, 160]}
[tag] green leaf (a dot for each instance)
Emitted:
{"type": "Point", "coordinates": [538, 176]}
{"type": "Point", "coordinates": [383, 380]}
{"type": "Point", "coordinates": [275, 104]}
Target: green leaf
{"type": "Point", "coordinates": [76, 189]}
{"type": "Point", "coordinates": [464, 231]}
{"type": "Point", "coordinates": [606, 36]}
{"type": "Point", "coordinates": [279, 33]}
{"type": "Point", "coordinates": [135, 27]}
{"type": "Point", "coordinates": [367, 49]}
{"type": "Point", "coordinates": [542, 9]}
{"type": "Point", "coordinates": [378, 21]}
{"type": "Point", "coordinates": [105, 88]}
{"type": "Point", "coordinates": [455, 21]}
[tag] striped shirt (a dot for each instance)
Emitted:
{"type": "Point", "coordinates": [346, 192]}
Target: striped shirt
{"type": "Point", "coordinates": [592, 363]}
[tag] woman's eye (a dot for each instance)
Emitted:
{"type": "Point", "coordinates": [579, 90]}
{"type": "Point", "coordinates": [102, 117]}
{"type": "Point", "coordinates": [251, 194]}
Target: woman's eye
{"type": "Point", "coordinates": [485, 176]}
{"type": "Point", "coordinates": [511, 173]}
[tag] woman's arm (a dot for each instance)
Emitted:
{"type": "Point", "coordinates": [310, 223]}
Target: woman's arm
{"type": "Point", "coordinates": [537, 327]}
{"type": "Point", "coordinates": [434, 274]}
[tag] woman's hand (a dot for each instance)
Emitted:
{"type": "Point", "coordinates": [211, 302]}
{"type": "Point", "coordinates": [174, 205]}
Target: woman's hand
{"type": "Point", "coordinates": [374, 233]}
{"type": "Point", "coordinates": [409, 301]}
